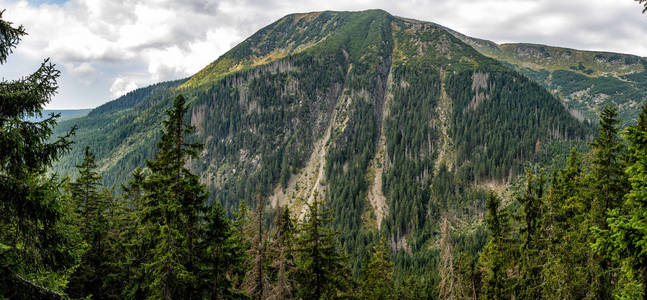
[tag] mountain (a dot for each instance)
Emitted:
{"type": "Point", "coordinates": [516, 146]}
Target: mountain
{"type": "Point", "coordinates": [394, 122]}
{"type": "Point", "coordinates": [586, 81]}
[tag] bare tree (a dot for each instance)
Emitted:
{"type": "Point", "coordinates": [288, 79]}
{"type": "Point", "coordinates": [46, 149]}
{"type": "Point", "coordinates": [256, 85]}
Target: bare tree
{"type": "Point", "coordinates": [450, 283]}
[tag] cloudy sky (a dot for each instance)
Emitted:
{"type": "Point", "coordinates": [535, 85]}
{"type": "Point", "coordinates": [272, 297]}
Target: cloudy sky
{"type": "Point", "coordinates": [105, 48]}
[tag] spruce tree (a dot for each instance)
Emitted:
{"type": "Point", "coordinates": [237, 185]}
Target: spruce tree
{"type": "Point", "coordinates": [565, 272]}
{"type": "Point", "coordinates": [136, 245]}
{"type": "Point", "coordinates": [498, 253]}
{"type": "Point", "coordinates": [609, 185]}
{"type": "Point", "coordinates": [532, 244]}
{"type": "Point", "coordinates": [171, 208]}
{"type": "Point", "coordinates": [222, 257]}
{"type": "Point", "coordinates": [39, 240]}
{"type": "Point", "coordinates": [85, 192]}
{"type": "Point", "coordinates": [321, 271]}
{"type": "Point", "coordinates": [90, 205]}
{"type": "Point", "coordinates": [626, 240]}
{"type": "Point", "coordinates": [609, 156]}
{"type": "Point", "coordinates": [378, 281]}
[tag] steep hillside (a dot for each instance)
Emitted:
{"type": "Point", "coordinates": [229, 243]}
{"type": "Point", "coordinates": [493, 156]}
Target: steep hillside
{"type": "Point", "coordinates": [395, 122]}
{"type": "Point", "coordinates": [585, 80]}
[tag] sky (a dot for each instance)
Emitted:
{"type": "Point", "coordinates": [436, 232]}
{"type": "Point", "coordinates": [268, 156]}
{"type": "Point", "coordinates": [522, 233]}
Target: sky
{"type": "Point", "coordinates": [105, 48]}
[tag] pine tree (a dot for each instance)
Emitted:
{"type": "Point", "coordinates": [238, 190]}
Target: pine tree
{"type": "Point", "coordinates": [321, 271]}
{"type": "Point", "coordinates": [39, 241]}
{"type": "Point", "coordinates": [497, 254]}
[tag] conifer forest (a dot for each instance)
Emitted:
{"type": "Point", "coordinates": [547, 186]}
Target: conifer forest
{"type": "Point", "coordinates": [334, 155]}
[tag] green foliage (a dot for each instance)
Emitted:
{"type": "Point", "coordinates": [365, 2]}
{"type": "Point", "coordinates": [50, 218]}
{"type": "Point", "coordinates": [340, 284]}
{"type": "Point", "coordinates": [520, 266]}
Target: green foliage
{"type": "Point", "coordinates": [496, 256]}
{"type": "Point", "coordinates": [624, 241]}
{"type": "Point", "coordinates": [321, 271]}
{"type": "Point", "coordinates": [505, 140]}
{"type": "Point", "coordinates": [91, 208]}
{"type": "Point", "coordinates": [378, 276]}
{"type": "Point", "coordinates": [39, 240]}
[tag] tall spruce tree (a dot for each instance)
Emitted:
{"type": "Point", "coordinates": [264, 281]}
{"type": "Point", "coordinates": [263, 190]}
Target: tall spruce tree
{"type": "Point", "coordinates": [171, 208]}
{"type": "Point", "coordinates": [321, 272]}
{"type": "Point", "coordinates": [136, 245]}
{"type": "Point", "coordinates": [608, 165]}
{"type": "Point", "coordinates": [609, 185]}
{"type": "Point", "coordinates": [498, 253]}
{"type": "Point", "coordinates": [626, 240]}
{"type": "Point", "coordinates": [565, 272]}
{"type": "Point", "coordinates": [91, 206]}
{"type": "Point", "coordinates": [532, 243]}
{"type": "Point", "coordinates": [223, 257]}
{"type": "Point", "coordinates": [39, 241]}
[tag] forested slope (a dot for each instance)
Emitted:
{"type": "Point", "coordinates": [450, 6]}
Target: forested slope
{"type": "Point", "coordinates": [395, 123]}
{"type": "Point", "coordinates": [586, 81]}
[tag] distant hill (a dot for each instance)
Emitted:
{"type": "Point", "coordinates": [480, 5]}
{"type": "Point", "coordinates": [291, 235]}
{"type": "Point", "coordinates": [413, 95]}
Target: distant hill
{"type": "Point", "coordinates": [65, 114]}
{"type": "Point", "coordinates": [586, 81]}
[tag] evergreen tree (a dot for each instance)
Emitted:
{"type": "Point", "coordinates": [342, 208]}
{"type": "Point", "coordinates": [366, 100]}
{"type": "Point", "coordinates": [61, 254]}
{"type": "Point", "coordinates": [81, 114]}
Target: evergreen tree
{"type": "Point", "coordinates": [91, 206]}
{"type": "Point", "coordinates": [609, 185]}
{"type": "Point", "coordinates": [565, 272]}
{"type": "Point", "coordinates": [321, 271]}
{"type": "Point", "coordinates": [378, 281]}
{"type": "Point", "coordinates": [85, 192]}
{"type": "Point", "coordinates": [497, 254]}
{"type": "Point", "coordinates": [644, 3]}
{"type": "Point", "coordinates": [135, 244]}
{"type": "Point", "coordinates": [532, 260]}
{"type": "Point", "coordinates": [171, 207]}
{"type": "Point", "coordinates": [39, 241]}
{"type": "Point", "coordinates": [608, 167]}
{"type": "Point", "coordinates": [626, 240]}
{"type": "Point", "coordinates": [223, 255]}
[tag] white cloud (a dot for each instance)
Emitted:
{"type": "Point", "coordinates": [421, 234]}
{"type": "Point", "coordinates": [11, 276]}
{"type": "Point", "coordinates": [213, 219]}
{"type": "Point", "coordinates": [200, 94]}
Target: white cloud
{"type": "Point", "coordinates": [121, 86]}
{"type": "Point", "coordinates": [108, 47]}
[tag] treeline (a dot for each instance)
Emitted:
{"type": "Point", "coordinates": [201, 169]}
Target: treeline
{"type": "Point", "coordinates": [579, 235]}
{"type": "Point", "coordinates": [162, 240]}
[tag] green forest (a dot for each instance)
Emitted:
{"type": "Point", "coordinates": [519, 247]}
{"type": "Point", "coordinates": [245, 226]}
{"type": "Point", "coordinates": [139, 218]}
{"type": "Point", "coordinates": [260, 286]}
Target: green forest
{"type": "Point", "coordinates": [182, 214]}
